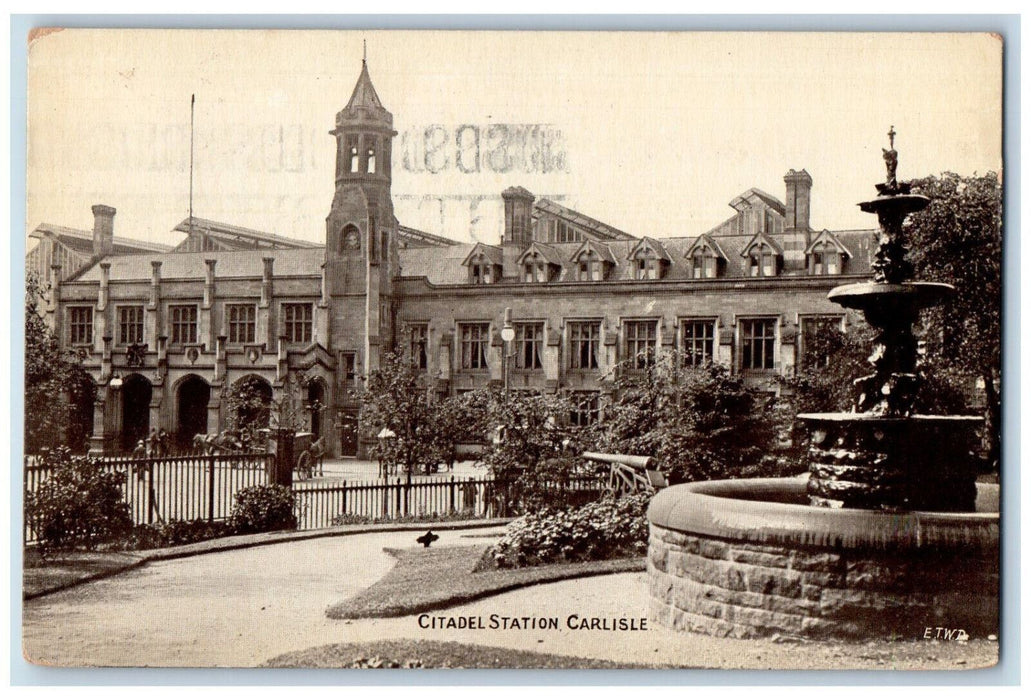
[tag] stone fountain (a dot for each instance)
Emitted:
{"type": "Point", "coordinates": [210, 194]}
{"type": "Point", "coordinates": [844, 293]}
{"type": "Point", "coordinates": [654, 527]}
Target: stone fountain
{"type": "Point", "coordinates": [890, 534]}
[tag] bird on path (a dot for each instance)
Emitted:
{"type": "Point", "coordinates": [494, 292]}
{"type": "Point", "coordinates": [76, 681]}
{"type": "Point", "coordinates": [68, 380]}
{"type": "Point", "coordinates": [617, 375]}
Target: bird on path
{"type": "Point", "coordinates": [427, 539]}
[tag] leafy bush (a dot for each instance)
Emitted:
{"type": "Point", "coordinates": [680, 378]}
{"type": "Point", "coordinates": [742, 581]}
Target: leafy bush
{"type": "Point", "coordinates": [605, 529]}
{"type": "Point", "coordinates": [263, 509]}
{"type": "Point", "coordinates": [176, 532]}
{"type": "Point", "coordinates": [79, 505]}
{"type": "Point", "coordinates": [699, 423]}
{"type": "Point", "coordinates": [434, 517]}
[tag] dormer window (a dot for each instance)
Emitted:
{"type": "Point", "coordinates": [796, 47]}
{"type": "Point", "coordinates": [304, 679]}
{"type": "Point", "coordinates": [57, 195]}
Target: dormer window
{"type": "Point", "coordinates": [370, 161]}
{"type": "Point", "coordinates": [482, 273]}
{"type": "Point", "coordinates": [484, 263]}
{"type": "Point", "coordinates": [824, 260]}
{"type": "Point", "coordinates": [762, 261]}
{"type": "Point", "coordinates": [590, 267]}
{"type": "Point", "coordinates": [535, 268]}
{"type": "Point", "coordinates": [703, 264]}
{"type": "Point", "coordinates": [647, 266]}
{"type": "Point", "coordinates": [826, 255]}
{"type": "Point", "coordinates": [648, 260]}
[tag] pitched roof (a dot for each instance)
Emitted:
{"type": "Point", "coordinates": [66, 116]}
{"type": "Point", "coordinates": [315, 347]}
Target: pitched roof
{"type": "Point", "coordinates": [828, 237]}
{"type": "Point", "coordinates": [659, 248]}
{"type": "Point", "coordinates": [593, 226]}
{"type": "Point", "coordinates": [364, 94]}
{"type": "Point", "coordinates": [754, 193]}
{"type": "Point", "coordinates": [706, 239]}
{"type": "Point", "coordinates": [439, 265]}
{"type": "Point", "coordinates": [409, 237]}
{"type": "Point", "coordinates": [494, 253]}
{"type": "Point", "coordinates": [82, 241]}
{"type": "Point", "coordinates": [289, 262]}
{"type": "Point", "coordinates": [602, 249]}
{"type": "Point", "coordinates": [238, 237]}
{"type": "Point", "coordinates": [545, 250]}
{"type": "Point", "coordinates": [761, 238]}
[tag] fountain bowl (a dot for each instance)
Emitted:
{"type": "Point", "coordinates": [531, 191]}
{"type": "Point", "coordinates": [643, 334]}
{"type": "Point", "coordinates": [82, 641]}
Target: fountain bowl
{"type": "Point", "coordinates": [751, 558]}
{"type": "Point", "coordinates": [878, 295]}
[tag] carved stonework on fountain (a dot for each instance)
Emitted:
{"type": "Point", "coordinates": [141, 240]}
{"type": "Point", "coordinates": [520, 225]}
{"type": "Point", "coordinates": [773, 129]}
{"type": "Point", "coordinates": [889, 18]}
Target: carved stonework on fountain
{"type": "Point", "coordinates": [882, 456]}
{"type": "Point", "coordinates": [889, 535]}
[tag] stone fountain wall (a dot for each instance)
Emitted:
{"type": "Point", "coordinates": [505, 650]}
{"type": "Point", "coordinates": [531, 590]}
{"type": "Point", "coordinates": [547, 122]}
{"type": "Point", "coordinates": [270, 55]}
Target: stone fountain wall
{"type": "Point", "coordinates": [727, 566]}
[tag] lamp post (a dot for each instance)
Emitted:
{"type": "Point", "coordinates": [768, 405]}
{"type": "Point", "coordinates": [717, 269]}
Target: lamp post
{"type": "Point", "coordinates": [383, 436]}
{"type": "Point", "coordinates": [507, 335]}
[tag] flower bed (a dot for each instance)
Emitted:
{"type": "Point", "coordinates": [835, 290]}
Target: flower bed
{"type": "Point", "coordinates": [605, 529]}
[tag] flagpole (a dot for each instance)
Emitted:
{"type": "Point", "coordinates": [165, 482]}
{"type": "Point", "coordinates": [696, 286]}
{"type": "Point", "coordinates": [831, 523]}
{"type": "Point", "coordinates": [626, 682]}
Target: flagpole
{"type": "Point", "coordinates": [192, 100]}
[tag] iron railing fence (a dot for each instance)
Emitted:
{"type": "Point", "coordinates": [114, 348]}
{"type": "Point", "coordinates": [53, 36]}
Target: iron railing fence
{"type": "Point", "coordinates": [317, 505]}
{"type": "Point", "coordinates": [161, 489]}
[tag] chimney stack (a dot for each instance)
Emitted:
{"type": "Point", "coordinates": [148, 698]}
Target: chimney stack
{"type": "Point", "coordinates": [796, 199]}
{"type": "Point", "coordinates": [518, 227]}
{"type": "Point", "coordinates": [796, 219]}
{"type": "Point", "coordinates": [103, 229]}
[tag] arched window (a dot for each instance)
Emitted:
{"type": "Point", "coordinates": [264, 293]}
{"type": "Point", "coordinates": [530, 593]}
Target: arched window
{"type": "Point", "coordinates": [646, 265]}
{"type": "Point", "coordinates": [762, 261]}
{"type": "Point", "coordinates": [824, 260]}
{"type": "Point", "coordinates": [481, 271]}
{"type": "Point", "coordinates": [535, 268]}
{"type": "Point", "coordinates": [590, 267]}
{"type": "Point", "coordinates": [354, 159]}
{"type": "Point", "coordinates": [703, 264]}
{"type": "Point", "coordinates": [371, 162]}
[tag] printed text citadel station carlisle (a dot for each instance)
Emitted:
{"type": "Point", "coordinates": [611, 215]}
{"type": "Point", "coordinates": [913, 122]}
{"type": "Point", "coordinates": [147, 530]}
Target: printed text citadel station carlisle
{"type": "Point", "coordinates": [504, 622]}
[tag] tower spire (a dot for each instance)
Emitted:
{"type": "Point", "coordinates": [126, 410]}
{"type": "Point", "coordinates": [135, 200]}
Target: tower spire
{"type": "Point", "coordinates": [364, 52]}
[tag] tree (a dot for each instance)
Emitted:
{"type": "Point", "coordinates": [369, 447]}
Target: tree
{"type": "Point", "coordinates": [55, 382]}
{"type": "Point", "coordinates": [958, 239]}
{"type": "Point", "coordinates": [397, 398]}
{"type": "Point", "coordinates": [699, 422]}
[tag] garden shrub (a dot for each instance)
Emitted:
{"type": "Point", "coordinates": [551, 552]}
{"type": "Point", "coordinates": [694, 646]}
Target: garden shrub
{"type": "Point", "coordinates": [80, 504]}
{"type": "Point", "coordinates": [263, 509]}
{"type": "Point", "coordinates": [177, 532]}
{"type": "Point", "coordinates": [605, 529]}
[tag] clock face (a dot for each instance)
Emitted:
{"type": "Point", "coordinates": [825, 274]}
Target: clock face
{"type": "Point", "coordinates": [351, 240]}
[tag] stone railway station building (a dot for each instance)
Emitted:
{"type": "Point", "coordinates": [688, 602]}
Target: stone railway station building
{"type": "Point", "coordinates": [166, 333]}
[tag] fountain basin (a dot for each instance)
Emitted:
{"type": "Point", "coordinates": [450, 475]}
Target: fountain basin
{"type": "Point", "coordinates": [861, 460]}
{"type": "Point", "coordinates": [750, 558]}
{"type": "Point", "coordinates": [878, 295]}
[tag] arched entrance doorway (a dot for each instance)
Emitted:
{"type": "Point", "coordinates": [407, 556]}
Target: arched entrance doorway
{"type": "Point", "coordinates": [250, 408]}
{"type": "Point", "coordinates": [316, 406]}
{"type": "Point", "coordinates": [136, 394]}
{"type": "Point", "coordinates": [191, 409]}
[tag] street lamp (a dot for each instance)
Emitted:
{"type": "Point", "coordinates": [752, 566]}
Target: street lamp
{"type": "Point", "coordinates": [116, 381]}
{"type": "Point", "coordinates": [383, 436]}
{"type": "Point", "coordinates": [507, 335]}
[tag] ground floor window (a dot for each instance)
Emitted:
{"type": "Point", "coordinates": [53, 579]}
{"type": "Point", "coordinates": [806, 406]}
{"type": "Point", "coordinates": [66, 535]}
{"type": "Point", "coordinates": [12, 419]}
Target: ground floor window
{"type": "Point", "coordinates": [758, 336]}
{"type": "Point", "coordinates": [586, 408]}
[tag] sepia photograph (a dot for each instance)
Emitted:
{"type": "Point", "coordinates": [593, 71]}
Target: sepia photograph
{"type": "Point", "coordinates": [394, 349]}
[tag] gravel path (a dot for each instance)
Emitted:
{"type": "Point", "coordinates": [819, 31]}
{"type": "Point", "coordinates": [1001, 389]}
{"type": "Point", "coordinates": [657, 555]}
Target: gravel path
{"type": "Point", "coordinates": [244, 607]}
{"type": "Point", "coordinates": [235, 608]}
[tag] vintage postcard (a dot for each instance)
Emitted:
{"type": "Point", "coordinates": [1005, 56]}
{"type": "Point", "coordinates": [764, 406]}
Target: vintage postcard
{"type": "Point", "coordinates": [453, 349]}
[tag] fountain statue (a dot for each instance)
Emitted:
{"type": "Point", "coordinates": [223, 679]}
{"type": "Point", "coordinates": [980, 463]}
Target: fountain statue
{"type": "Point", "coordinates": [887, 534]}
{"type": "Point", "coordinates": [880, 455]}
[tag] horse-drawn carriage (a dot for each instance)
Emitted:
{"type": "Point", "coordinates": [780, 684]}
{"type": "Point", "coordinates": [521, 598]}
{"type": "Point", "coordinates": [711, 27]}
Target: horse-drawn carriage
{"type": "Point", "coordinates": [310, 451]}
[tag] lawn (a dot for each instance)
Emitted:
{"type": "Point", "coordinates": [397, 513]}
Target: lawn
{"type": "Point", "coordinates": [434, 578]}
{"type": "Point", "coordinates": [63, 569]}
{"type": "Point", "coordinates": [408, 653]}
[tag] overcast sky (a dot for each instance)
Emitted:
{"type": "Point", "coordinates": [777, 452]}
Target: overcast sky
{"type": "Point", "coordinates": [651, 133]}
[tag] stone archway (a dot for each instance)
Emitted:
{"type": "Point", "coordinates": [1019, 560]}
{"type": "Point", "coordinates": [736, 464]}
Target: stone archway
{"type": "Point", "coordinates": [316, 404]}
{"type": "Point", "coordinates": [136, 394]}
{"type": "Point", "coordinates": [250, 405]}
{"type": "Point", "coordinates": [192, 397]}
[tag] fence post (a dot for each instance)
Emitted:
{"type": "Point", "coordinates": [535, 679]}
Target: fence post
{"type": "Point", "coordinates": [150, 492]}
{"type": "Point", "coordinates": [211, 488]}
{"type": "Point", "coordinates": [451, 494]}
{"type": "Point", "coordinates": [397, 512]}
